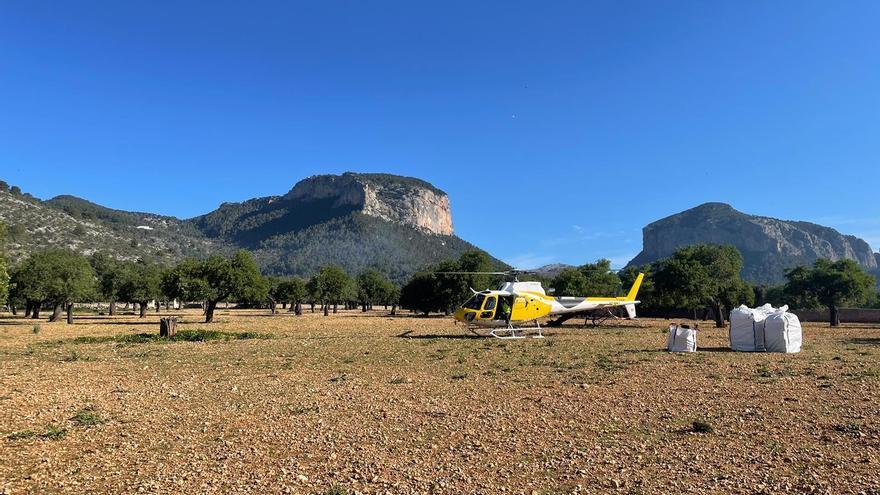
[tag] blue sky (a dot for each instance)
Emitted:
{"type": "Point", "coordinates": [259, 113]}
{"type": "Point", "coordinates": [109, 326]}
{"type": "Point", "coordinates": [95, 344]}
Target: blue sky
{"type": "Point", "coordinates": [558, 129]}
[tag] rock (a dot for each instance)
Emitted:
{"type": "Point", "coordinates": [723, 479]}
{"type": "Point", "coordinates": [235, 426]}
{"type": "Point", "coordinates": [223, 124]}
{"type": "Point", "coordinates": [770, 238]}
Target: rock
{"type": "Point", "coordinates": [403, 200]}
{"type": "Point", "coordinates": [768, 245]}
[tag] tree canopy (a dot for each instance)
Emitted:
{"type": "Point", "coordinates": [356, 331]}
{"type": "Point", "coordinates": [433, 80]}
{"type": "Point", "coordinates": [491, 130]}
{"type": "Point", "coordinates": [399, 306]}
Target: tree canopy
{"type": "Point", "coordinates": [140, 283]}
{"type": "Point", "coordinates": [703, 275]}
{"type": "Point", "coordinates": [216, 279]}
{"type": "Point", "coordinates": [4, 276]}
{"type": "Point", "coordinates": [330, 285]}
{"type": "Point", "coordinates": [56, 276]}
{"type": "Point", "coordinates": [831, 284]}
{"type": "Point", "coordinates": [445, 286]}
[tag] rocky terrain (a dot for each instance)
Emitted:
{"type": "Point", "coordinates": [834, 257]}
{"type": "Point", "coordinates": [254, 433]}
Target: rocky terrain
{"type": "Point", "coordinates": [74, 223]}
{"type": "Point", "coordinates": [374, 404]}
{"type": "Point", "coordinates": [768, 245]}
{"type": "Point", "coordinates": [392, 223]}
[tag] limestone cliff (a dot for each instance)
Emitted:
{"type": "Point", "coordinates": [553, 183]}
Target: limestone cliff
{"type": "Point", "coordinates": [768, 245]}
{"type": "Point", "coordinates": [403, 200]}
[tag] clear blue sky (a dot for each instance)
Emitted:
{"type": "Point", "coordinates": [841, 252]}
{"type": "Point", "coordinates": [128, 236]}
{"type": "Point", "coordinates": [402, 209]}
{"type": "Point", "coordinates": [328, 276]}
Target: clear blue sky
{"type": "Point", "coordinates": [558, 129]}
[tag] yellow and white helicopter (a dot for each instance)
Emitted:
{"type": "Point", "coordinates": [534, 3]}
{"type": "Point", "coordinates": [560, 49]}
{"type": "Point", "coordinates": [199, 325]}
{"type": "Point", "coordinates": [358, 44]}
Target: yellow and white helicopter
{"type": "Point", "coordinates": [503, 312]}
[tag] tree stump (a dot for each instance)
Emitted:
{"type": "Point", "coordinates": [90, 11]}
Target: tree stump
{"type": "Point", "coordinates": [168, 326]}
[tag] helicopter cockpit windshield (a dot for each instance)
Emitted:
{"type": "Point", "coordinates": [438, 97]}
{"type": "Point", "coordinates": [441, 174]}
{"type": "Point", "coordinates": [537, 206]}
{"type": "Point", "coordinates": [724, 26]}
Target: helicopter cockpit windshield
{"type": "Point", "coordinates": [475, 302]}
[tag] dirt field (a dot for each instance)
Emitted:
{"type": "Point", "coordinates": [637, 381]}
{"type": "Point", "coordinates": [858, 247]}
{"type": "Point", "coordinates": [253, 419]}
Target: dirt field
{"type": "Point", "coordinates": [373, 404]}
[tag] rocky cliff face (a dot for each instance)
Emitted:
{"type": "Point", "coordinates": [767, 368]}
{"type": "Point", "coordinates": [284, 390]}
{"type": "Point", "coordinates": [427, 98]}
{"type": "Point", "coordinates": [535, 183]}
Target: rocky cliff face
{"type": "Point", "coordinates": [768, 245]}
{"type": "Point", "coordinates": [402, 200]}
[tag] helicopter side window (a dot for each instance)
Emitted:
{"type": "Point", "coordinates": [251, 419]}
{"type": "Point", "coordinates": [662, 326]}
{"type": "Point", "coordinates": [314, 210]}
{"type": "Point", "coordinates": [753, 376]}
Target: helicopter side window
{"type": "Point", "coordinates": [489, 309]}
{"type": "Point", "coordinates": [475, 302]}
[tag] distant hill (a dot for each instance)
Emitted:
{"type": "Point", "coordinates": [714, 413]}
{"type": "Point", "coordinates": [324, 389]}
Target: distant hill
{"type": "Point", "coordinates": [769, 246]}
{"type": "Point", "coordinates": [392, 223]}
{"type": "Point", "coordinates": [67, 221]}
{"type": "Point", "coordinates": [552, 270]}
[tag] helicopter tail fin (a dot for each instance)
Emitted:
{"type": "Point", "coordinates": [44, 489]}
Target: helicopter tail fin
{"type": "Point", "coordinates": [635, 289]}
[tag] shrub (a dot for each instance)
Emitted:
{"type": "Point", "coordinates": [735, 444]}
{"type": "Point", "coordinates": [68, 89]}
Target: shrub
{"type": "Point", "coordinates": [700, 426]}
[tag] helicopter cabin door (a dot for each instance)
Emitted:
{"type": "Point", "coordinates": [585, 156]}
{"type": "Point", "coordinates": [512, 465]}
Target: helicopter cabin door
{"type": "Point", "coordinates": [489, 308]}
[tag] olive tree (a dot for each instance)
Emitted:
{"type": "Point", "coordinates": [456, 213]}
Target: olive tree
{"type": "Point", "coordinates": [703, 275]}
{"type": "Point", "coordinates": [140, 283]}
{"type": "Point", "coordinates": [831, 284]}
{"type": "Point", "coordinates": [216, 279]}
{"type": "Point", "coordinates": [330, 286]}
{"type": "Point", "coordinates": [59, 277]}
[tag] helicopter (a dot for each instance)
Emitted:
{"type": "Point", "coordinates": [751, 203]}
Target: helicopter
{"type": "Point", "coordinates": [503, 312]}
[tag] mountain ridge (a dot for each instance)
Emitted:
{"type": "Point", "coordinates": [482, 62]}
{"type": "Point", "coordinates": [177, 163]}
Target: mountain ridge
{"type": "Point", "coordinates": [769, 245]}
{"type": "Point", "coordinates": [393, 223]}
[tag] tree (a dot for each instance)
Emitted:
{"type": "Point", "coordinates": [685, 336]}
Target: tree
{"type": "Point", "coordinates": [141, 283]}
{"type": "Point", "coordinates": [216, 279]}
{"type": "Point", "coordinates": [57, 276]}
{"type": "Point", "coordinates": [703, 275]}
{"type": "Point", "coordinates": [592, 279]}
{"type": "Point", "coordinates": [291, 290]}
{"type": "Point", "coordinates": [4, 276]}
{"type": "Point", "coordinates": [371, 287]}
{"type": "Point", "coordinates": [331, 283]}
{"type": "Point", "coordinates": [647, 295]}
{"type": "Point", "coordinates": [420, 293]}
{"type": "Point", "coordinates": [569, 282]}
{"type": "Point", "coordinates": [109, 278]}
{"type": "Point", "coordinates": [830, 283]}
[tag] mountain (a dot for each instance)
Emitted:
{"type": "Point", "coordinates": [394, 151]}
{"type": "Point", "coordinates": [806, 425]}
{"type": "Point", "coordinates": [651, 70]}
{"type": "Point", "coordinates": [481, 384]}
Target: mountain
{"type": "Point", "coordinates": [395, 224]}
{"type": "Point", "coordinates": [70, 222]}
{"type": "Point", "coordinates": [769, 246]}
{"type": "Point", "coordinates": [551, 270]}
{"type": "Point", "coordinates": [392, 223]}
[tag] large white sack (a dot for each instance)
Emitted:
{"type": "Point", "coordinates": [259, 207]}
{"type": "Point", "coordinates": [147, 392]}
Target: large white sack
{"type": "Point", "coordinates": [782, 332]}
{"type": "Point", "coordinates": [747, 328]}
{"type": "Point", "coordinates": [681, 339]}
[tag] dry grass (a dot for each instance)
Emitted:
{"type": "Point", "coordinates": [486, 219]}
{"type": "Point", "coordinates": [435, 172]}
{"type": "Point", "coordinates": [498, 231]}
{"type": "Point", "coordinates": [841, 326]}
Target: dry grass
{"type": "Point", "coordinates": [344, 404]}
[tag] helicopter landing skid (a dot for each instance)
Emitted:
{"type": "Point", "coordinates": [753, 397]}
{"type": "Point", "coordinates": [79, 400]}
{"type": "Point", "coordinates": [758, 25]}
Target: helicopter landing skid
{"type": "Point", "coordinates": [508, 332]}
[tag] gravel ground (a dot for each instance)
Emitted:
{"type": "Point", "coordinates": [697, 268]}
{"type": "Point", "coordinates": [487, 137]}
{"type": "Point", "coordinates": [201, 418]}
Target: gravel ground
{"type": "Point", "coordinates": [374, 404]}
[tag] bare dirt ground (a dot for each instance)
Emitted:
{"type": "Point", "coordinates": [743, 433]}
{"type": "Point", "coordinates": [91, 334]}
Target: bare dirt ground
{"type": "Point", "coordinates": [373, 404]}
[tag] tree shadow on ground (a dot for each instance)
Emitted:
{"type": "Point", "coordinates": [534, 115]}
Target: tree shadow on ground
{"type": "Point", "coordinates": [864, 341]}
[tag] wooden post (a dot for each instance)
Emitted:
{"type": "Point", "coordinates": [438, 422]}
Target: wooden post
{"type": "Point", "coordinates": [168, 326]}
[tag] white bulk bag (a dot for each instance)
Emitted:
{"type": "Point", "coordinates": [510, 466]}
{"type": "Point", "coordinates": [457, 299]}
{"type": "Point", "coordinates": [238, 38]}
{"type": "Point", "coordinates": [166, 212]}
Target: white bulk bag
{"type": "Point", "coordinates": [681, 339]}
{"type": "Point", "coordinates": [782, 332]}
{"type": "Point", "coordinates": [747, 328]}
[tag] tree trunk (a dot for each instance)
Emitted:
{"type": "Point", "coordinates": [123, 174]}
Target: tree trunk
{"type": "Point", "coordinates": [209, 311]}
{"type": "Point", "coordinates": [835, 315]}
{"type": "Point", "coordinates": [272, 305]}
{"type": "Point", "coordinates": [326, 309]}
{"type": "Point", "coordinates": [364, 308]}
{"type": "Point", "coordinates": [284, 305]}
{"type": "Point", "coordinates": [719, 316]}
{"type": "Point", "coordinates": [56, 313]}
{"type": "Point", "coordinates": [143, 310]}
{"type": "Point", "coordinates": [70, 313]}
{"type": "Point", "coordinates": [158, 305]}
{"type": "Point", "coordinates": [313, 306]}
{"type": "Point", "coordinates": [35, 314]}
{"type": "Point", "coordinates": [393, 309]}
{"type": "Point", "coordinates": [28, 306]}
{"type": "Point", "coordinates": [298, 310]}
{"type": "Point", "coordinates": [334, 308]}
{"type": "Point", "coordinates": [168, 326]}
{"type": "Point", "coordinates": [12, 308]}
{"type": "Point", "coordinates": [112, 308]}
